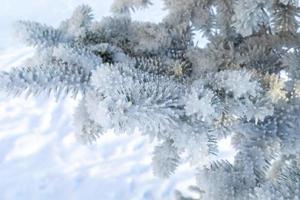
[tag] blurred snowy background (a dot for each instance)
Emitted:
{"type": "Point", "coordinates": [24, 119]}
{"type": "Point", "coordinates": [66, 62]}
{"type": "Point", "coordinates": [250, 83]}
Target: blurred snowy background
{"type": "Point", "coordinates": [39, 155]}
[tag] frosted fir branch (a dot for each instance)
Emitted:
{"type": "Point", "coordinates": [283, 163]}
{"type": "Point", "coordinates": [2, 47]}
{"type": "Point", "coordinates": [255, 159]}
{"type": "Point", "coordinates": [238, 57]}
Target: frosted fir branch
{"type": "Point", "coordinates": [152, 78]}
{"type": "Point", "coordinates": [113, 30]}
{"type": "Point", "coordinates": [261, 57]}
{"type": "Point", "coordinates": [165, 159]}
{"type": "Point", "coordinates": [224, 15]}
{"type": "Point", "coordinates": [71, 55]}
{"type": "Point", "coordinates": [198, 14]}
{"type": "Point", "coordinates": [291, 62]}
{"type": "Point", "coordinates": [201, 60]}
{"type": "Point", "coordinates": [58, 80]}
{"type": "Point", "coordinates": [79, 23]}
{"type": "Point", "coordinates": [206, 22]}
{"type": "Point", "coordinates": [151, 65]}
{"type": "Point", "coordinates": [132, 97]}
{"type": "Point", "coordinates": [201, 103]}
{"type": "Point", "coordinates": [76, 56]}
{"type": "Point", "coordinates": [137, 38]}
{"type": "Point", "coordinates": [177, 68]}
{"type": "Point", "coordinates": [109, 53]}
{"type": "Point", "coordinates": [201, 148]}
{"type": "Point", "coordinates": [285, 17]}
{"type": "Point", "coordinates": [258, 110]}
{"type": "Point", "coordinates": [150, 37]}
{"type": "Point", "coordinates": [276, 91]}
{"type": "Point", "coordinates": [239, 82]}
{"type": "Point", "coordinates": [125, 6]}
{"type": "Point", "coordinates": [87, 130]}
{"type": "Point", "coordinates": [285, 125]}
{"type": "Point", "coordinates": [221, 180]}
{"type": "Point", "coordinates": [286, 188]}
{"type": "Point", "coordinates": [36, 34]}
{"type": "Point", "coordinates": [251, 16]}
{"type": "Point", "coordinates": [82, 17]}
{"type": "Point", "coordinates": [70, 30]}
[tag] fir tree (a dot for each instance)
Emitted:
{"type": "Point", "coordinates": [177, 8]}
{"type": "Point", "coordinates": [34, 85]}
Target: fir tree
{"type": "Point", "coordinates": [245, 84]}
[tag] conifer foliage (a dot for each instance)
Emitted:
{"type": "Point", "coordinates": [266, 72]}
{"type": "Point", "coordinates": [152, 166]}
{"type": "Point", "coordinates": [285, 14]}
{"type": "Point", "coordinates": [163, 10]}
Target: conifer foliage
{"type": "Point", "coordinates": [151, 77]}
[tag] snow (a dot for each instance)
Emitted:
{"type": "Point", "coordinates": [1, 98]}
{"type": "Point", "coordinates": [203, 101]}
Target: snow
{"type": "Point", "coordinates": [40, 157]}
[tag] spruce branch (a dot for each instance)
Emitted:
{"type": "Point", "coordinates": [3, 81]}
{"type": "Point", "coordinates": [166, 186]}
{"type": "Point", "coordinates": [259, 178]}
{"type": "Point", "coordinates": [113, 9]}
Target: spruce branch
{"type": "Point", "coordinates": [36, 34]}
{"type": "Point", "coordinates": [58, 80]}
{"type": "Point", "coordinates": [151, 77]}
{"type": "Point", "coordinates": [285, 15]}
